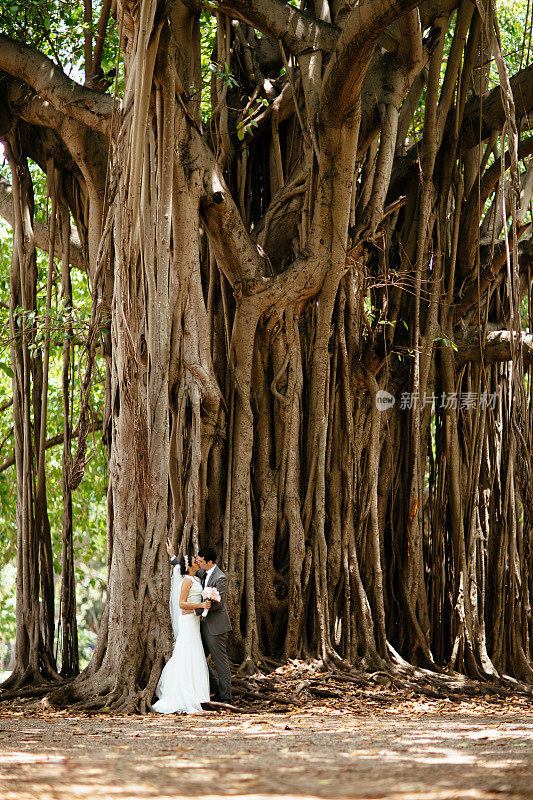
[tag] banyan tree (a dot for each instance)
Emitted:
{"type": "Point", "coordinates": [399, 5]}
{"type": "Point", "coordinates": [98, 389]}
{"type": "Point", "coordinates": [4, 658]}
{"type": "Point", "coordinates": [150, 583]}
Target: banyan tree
{"type": "Point", "coordinates": [311, 272]}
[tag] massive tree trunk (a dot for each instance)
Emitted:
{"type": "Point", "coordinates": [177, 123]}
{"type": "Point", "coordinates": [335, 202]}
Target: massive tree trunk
{"type": "Point", "coordinates": [268, 275]}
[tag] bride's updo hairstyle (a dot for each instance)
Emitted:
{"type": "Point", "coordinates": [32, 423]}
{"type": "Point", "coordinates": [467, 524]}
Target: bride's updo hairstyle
{"type": "Point", "coordinates": [185, 563]}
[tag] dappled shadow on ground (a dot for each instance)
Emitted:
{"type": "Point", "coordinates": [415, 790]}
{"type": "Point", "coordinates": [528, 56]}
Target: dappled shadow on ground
{"type": "Point", "coordinates": [406, 752]}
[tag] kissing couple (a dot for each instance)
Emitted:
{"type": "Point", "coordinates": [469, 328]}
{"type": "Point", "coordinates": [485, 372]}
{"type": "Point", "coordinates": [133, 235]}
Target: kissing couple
{"type": "Point", "coordinates": [200, 628]}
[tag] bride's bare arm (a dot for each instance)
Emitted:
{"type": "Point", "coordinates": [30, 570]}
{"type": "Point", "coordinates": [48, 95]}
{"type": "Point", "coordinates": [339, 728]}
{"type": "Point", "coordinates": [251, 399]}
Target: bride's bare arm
{"type": "Point", "coordinates": [184, 605]}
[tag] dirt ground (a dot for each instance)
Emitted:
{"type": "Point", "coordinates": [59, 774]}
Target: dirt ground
{"type": "Point", "coordinates": [405, 750]}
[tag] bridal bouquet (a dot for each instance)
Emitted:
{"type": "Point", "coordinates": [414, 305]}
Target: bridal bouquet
{"type": "Point", "coordinates": [210, 593]}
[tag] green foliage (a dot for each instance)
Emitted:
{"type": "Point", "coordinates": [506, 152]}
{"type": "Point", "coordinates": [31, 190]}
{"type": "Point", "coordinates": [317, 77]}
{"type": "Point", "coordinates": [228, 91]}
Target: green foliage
{"type": "Point", "coordinates": [516, 50]}
{"type": "Point", "coordinates": [8, 578]}
{"type": "Point", "coordinates": [246, 125]}
{"type": "Point", "coordinates": [524, 314]}
{"type": "Point", "coordinates": [446, 342]}
{"type": "Point", "coordinates": [52, 322]}
{"type": "Point", "coordinates": [56, 28]}
{"type": "Point", "coordinates": [222, 71]}
{"type": "Point", "coordinates": [208, 34]}
{"type": "Point", "coordinates": [512, 19]}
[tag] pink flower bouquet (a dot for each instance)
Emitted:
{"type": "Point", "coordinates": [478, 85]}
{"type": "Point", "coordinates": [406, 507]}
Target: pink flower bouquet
{"type": "Point", "coordinates": [210, 593]}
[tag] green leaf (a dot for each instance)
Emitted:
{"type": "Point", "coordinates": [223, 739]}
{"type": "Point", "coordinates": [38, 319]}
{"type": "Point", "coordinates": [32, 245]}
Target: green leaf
{"type": "Point", "coordinates": [7, 369]}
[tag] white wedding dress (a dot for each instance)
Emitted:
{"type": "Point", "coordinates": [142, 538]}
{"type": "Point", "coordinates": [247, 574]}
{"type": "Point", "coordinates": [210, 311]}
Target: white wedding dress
{"type": "Point", "coordinates": [184, 682]}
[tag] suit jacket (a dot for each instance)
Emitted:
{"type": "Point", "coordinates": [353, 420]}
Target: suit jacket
{"type": "Point", "coordinates": [217, 620]}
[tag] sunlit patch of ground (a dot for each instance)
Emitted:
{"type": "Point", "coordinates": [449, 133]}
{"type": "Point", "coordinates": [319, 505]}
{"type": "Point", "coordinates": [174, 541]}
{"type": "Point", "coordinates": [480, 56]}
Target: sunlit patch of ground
{"type": "Point", "coordinates": [408, 750]}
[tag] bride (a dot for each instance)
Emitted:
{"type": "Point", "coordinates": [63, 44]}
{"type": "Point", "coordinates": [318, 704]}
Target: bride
{"type": "Point", "coordinates": [184, 682]}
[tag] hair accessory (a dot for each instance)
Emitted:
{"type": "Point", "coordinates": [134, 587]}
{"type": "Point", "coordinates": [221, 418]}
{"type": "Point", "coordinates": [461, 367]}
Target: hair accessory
{"type": "Point", "coordinates": [186, 559]}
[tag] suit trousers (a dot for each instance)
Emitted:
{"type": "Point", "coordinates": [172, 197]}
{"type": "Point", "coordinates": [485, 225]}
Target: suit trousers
{"type": "Point", "coordinates": [215, 644]}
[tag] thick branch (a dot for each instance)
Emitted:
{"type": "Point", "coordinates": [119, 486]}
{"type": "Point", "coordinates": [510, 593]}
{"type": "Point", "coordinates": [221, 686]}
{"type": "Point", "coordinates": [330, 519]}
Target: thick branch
{"type": "Point", "coordinates": [492, 111]}
{"type": "Point", "coordinates": [492, 260]}
{"type": "Point", "coordinates": [234, 249]}
{"type": "Point", "coordinates": [346, 71]}
{"type": "Point", "coordinates": [53, 442]}
{"type": "Point", "coordinates": [480, 193]}
{"type": "Point", "coordinates": [493, 118]}
{"type": "Point", "coordinates": [100, 39]}
{"type": "Point", "coordinates": [497, 347]}
{"type": "Point", "coordinates": [84, 105]}
{"type": "Point", "coordinates": [297, 30]}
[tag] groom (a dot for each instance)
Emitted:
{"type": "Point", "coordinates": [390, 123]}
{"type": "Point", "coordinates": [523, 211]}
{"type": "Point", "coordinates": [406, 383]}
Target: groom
{"type": "Point", "coordinates": [216, 625]}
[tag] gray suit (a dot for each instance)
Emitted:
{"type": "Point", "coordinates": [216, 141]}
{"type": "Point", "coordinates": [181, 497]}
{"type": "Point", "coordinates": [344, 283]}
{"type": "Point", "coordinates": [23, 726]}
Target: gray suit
{"type": "Point", "coordinates": [214, 629]}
